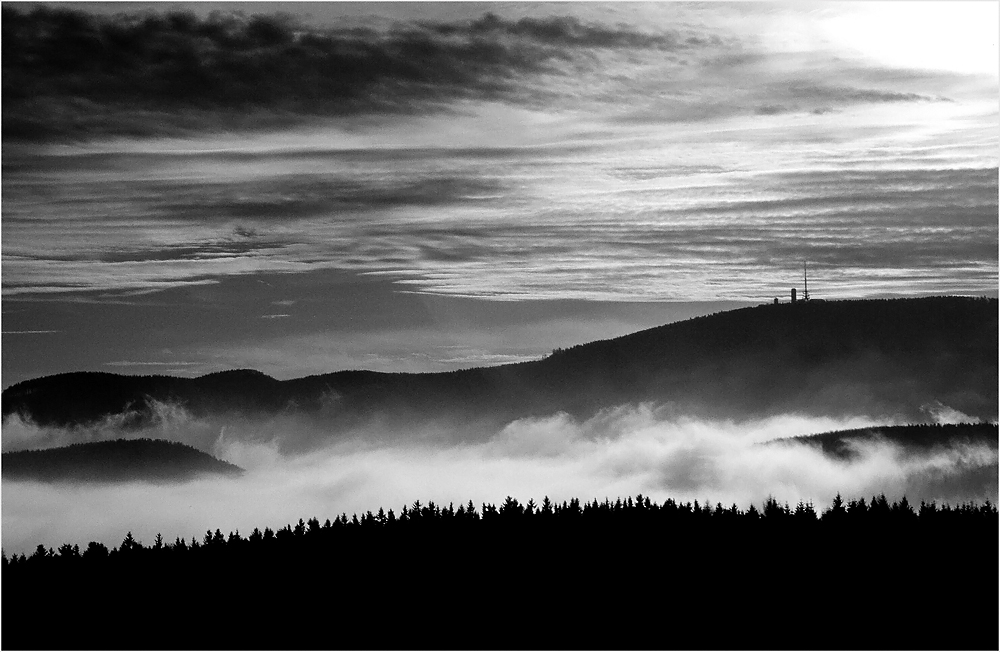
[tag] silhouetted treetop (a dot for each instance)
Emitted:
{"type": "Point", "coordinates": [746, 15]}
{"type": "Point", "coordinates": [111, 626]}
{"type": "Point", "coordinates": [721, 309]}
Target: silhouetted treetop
{"type": "Point", "coordinates": [449, 574]}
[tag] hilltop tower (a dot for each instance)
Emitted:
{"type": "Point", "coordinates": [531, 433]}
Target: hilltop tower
{"type": "Point", "coordinates": [805, 281]}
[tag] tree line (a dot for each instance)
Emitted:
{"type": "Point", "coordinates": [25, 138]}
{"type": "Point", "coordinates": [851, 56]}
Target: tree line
{"type": "Point", "coordinates": [629, 573]}
{"type": "Point", "coordinates": [512, 514]}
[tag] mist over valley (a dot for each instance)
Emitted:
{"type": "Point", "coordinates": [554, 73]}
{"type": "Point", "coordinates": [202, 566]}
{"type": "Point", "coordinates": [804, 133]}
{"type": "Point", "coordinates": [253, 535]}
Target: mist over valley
{"type": "Point", "coordinates": [679, 318]}
{"type": "Point", "coordinates": [678, 411]}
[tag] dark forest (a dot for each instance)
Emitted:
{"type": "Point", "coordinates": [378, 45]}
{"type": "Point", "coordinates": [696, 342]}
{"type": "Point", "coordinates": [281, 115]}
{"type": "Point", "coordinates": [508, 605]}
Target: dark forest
{"type": "Point", "coordinates": [583, 575]}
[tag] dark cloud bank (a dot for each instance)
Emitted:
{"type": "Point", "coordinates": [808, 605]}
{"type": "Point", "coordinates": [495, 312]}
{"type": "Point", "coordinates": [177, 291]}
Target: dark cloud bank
{"type": "Point", "coordinates": [67, 73]}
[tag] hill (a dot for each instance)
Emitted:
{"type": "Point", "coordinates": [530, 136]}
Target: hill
{"type": "Point", "coordinates": [114, 461]}
{"type": "Point", "coordinates": [966, 453]}
{"type": "Point", "coordinates": [875, 357]}
{"type": "Point", "coordinates": [913, 438]}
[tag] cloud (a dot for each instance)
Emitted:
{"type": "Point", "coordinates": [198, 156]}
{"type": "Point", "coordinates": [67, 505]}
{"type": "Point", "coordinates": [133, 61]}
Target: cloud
{"type": "Point", "coordinates": [173, 72]}
{"type": "Point", "coordinates": [149, 363]}
{"type": "Point", "coordinates": [772, 109]}
{"type": "Point", "coordinates": [168, 422]}
{"type": "Point", "coordinates": [620, 452]}
{"type": "Point", "coordinates": [675, 194]}
{"type": "Point", "coordinates": [848, 95]}
{"type": "Point", "coordinates": [570, 31]}
{"type": "Point", "coordinates": [33, 332]}
{"type": "Point", "coordinates": [511, 225]}
{"type": "Point", "coordinates": [751, 79]}
{"type": "Point", "coordinates": [942, 414]}
{"type": "Point", "coordinates": [283, 198]}
{"type": "Point", "coordinates": [73, 74]}
{"type": "Point", "coordinates": [811, 95]}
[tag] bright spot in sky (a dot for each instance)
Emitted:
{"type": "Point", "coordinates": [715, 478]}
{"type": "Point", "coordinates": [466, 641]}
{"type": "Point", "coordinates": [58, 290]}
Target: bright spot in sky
{"type": "Point", "coordinates": [955, 36]}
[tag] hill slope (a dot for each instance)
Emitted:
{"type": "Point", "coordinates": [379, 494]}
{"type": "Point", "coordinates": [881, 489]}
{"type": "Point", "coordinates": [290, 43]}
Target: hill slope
{"type": "Point", "coordinates": [114, 461]}
{"type": "Point", "coordinates": [964, 454]}
{"type": "Point", "coordinates": [912, 438]}
{"type": "Point", "coordinates": [878, 357]}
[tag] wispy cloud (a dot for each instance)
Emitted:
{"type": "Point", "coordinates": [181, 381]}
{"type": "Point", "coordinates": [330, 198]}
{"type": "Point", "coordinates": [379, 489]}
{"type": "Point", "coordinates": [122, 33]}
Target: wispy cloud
{"type": "Point", "coordinates": [635, 225]}
{"type": "Point", "coordinates": [149, 363]}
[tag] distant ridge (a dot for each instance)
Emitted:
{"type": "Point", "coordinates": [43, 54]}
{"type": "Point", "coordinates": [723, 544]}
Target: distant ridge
{"type": "Point", "coordinates": [971, 476]}
{"type": "Point", "coordinates": [120, 460]}
{"type": "Point", "coordinates": [875, 357]}
{"type": "Point", "coordinates": [911, 437]}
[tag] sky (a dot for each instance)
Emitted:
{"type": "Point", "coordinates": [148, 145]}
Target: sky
{"type": "Point", "coordinates": [302, 188]}
{"type": "Point", "coordinates": [478, 183]}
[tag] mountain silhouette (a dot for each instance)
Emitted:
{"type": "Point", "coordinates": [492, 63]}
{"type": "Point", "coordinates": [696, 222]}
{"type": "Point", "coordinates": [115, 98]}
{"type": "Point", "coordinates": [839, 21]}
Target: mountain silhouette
{"type": "Point", "coordinates": [120, 460]}
{"type": "Point", "coordinates": [876, 357]}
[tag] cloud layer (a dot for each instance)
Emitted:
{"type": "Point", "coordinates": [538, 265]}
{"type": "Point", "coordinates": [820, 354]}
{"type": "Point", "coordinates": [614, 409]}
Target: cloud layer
{"type": "Point", "coordinates": [162, 73]}
{"type": "Point", "coordinates": [620, 452]}
{"type": "Point", "coordinates": [70, 73]}
{"type": "Point", "coordinates": [637, 152]}
{"type": "Point", "coordinates": [602, 223]}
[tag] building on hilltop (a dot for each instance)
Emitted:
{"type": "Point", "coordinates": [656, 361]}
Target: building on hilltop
{"type": "Point", "coordinates": [805, 288]}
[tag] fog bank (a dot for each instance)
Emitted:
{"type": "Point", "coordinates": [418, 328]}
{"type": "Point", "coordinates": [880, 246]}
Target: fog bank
{"type": "Point", "coordinates": [620, 452]}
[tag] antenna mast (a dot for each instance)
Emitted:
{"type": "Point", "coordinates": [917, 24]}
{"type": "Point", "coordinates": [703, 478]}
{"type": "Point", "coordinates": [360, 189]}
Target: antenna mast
{"type": "Point", "coordinates": [805, 280]}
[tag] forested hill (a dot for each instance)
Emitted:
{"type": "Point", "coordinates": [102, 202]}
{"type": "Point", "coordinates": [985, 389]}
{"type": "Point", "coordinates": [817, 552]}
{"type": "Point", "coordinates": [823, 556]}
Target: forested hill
{"type": "Point", "coordinates": [114, 461]}
{"type": "Point", "coordinates": [875, 357]}
{"type": "Point", "coordinates": [912, 437]}
{"type": "Point", "coordinates": [621, 575]}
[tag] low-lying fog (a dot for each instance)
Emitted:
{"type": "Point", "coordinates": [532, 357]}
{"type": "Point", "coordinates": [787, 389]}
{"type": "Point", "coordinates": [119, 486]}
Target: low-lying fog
{"type": "Point", "coordinates": [618, 453]}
